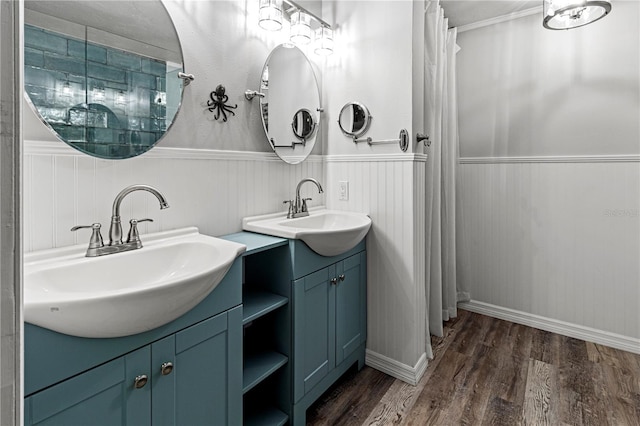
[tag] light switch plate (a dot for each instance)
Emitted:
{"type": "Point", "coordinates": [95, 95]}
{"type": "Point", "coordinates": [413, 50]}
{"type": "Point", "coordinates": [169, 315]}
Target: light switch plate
{"type": "Point", "coordinates": [343, 190]}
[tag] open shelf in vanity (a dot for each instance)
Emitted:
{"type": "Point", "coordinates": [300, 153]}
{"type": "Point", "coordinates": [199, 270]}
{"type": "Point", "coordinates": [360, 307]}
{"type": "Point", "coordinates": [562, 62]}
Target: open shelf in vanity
{"type": "Point", "coordinates": [266, 295]}
{"type": "Point", "coordinates": [260, 359]}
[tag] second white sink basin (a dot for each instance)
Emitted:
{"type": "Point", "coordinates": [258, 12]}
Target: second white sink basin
{"type": "Point", "coordinates": [327, 232]}
{"type": "Point", "coordinates": [124, 293]}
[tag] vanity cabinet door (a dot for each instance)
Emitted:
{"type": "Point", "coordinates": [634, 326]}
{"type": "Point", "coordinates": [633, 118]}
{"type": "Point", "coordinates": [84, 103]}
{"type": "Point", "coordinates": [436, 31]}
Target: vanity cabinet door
{"type": "Point", "coordinates": [197, 373]}
{"type": "Point", "coordinates": [314, 329]}
{"type": "Point", "coordinates": [106, 395]}
{"type": "Point", "coordinates": [351, 315]}
{"type": "Point", "coordinates": [329, 320]}
{"type": "Point", "coordinates": [193, 377]}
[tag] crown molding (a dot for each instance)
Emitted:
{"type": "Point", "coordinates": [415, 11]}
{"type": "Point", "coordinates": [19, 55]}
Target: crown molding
{"type": "Point", "coordinates": [500, 19]}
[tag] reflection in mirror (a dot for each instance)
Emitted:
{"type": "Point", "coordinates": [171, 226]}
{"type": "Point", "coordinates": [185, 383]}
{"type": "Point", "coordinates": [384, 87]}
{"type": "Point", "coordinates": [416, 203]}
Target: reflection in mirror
{"type": "Point", "coordinates": [288, 88]}
{"type": "Point", "coordinates": [103, 75]}
{"type": "Point", "coordinates": [303, 124]}
{"type": "Point", "coordinates": [354, 119]}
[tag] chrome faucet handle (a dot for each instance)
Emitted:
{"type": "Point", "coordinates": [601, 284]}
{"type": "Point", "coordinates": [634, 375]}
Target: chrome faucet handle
{"type": "Point", "coordinates": [133, 236]}
{"type": "Point", "coordinates": [304, 204]}
{"type": "Point", "coordinates": [96, 237]}
{"type": "Point", "coordinates": [291, 208]}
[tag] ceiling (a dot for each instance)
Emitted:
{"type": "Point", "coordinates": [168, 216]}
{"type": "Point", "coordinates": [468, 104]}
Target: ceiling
{"type": "Point", "coordinates": [463, 12]}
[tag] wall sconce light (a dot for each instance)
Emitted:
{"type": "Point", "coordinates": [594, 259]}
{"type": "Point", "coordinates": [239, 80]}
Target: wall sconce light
{"type": "Point", "coordinates": [67, 90]}
{"type": "Point", "coordinates": [120, 99]}
{"type": "Point", "coordinates": [98, 94]}
{"type": "Point", "coordinates": [567, 14]}
{"type": "Point", "coordinates": [324, 41]}
{"type": "Point", "coordinates": [300, 28]}
{"type": "Point", "coordinates": [270, 15]}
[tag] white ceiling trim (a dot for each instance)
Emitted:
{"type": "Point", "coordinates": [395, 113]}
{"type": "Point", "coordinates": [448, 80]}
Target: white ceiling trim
{"type": "Point", "coordinates": [500, 19]}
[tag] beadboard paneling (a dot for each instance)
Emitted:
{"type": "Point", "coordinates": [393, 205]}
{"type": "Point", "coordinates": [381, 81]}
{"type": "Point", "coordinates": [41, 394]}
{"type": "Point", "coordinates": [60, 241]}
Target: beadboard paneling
{"type": "Point", "coordinates": [557, 240]}
{"type": "Point", "coordinates": [386, 189]}
{"type": "Point", "coordinates": [212, 191]}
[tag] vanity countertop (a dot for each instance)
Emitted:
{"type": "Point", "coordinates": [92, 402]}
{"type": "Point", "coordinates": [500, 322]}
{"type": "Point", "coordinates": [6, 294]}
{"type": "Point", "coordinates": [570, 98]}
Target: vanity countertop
{"type": "Point", "coordinates": [255, 242]}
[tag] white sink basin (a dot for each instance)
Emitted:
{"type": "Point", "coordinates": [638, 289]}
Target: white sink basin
{"type": "Point", "coordinates": [327, 232]}
{"type": "Point", "coordinates": [124, 293]}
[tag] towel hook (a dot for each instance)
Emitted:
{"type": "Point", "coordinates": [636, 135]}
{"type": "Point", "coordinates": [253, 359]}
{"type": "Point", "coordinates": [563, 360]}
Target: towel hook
{"type": "Point", "coordinates": [421, 137]}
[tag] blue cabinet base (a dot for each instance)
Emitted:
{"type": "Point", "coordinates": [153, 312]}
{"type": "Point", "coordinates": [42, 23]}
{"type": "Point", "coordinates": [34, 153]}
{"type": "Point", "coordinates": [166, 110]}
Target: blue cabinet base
{"type": "Point", "coordinates": [299, 410]}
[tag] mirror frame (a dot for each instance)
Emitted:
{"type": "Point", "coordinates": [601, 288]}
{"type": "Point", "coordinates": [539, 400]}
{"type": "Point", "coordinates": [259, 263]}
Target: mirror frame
{"type": "Point", "coordinates": [367, 119]}
{"type": "Point", "coordinates": [143, 148]}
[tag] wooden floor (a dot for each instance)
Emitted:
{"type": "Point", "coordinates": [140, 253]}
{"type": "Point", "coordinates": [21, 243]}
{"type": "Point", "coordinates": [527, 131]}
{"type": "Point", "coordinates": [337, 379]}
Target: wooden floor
{"type": "Point", "coordinates": [487, 371]}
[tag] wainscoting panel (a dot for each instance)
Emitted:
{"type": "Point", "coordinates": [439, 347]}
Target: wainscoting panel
{"type": "Point", "coordinates": [558, 240]}
{"type": "Point", "coordinates": [390, 189]}
{"type": "Point", "coordinates": [209, 189]}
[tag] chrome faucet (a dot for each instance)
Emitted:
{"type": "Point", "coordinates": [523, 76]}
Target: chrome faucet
{"type": "Point", "coordinates": [298, 208]}
{"type": "Point", "coordinates": [115, 245]}
{"type": "Point", "coordinates": [115, 230]}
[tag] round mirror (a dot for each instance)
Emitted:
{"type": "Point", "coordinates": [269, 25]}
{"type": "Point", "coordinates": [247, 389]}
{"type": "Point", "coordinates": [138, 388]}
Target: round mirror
{"type": "Point", "coordinates": [103, 75]}
{"type": "Point", "coordinates": [303, 124]}
{"type": "Point", "coordinates": [354, 119]}
{"type": "Point", "coordinates": [289, 89]}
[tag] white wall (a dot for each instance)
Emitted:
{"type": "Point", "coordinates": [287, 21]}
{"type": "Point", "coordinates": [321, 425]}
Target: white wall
{"type": "Point", "coordinates": [524, 90]}
{"type": "Point", "coordinates": [373, 64]}
{"type": "Point", "coordinates": [549, 180]}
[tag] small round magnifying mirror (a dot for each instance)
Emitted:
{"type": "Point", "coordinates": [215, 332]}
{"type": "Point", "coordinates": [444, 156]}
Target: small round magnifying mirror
{"type": "Point", "coordinates": [303, 124]}
{"type": "Point", "coordinates": [354, 119]}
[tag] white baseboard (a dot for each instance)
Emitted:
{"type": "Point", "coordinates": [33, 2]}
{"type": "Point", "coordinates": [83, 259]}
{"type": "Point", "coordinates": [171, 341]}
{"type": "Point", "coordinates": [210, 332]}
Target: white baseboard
{"type": "Point", "coordinates": [589, 334]}
{"type": "Point", "coordinates": [396, 369]}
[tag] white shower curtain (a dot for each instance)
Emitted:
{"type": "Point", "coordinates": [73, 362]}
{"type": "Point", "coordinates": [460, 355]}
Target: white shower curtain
{"type": "Point", "coordinates": [441, 119]}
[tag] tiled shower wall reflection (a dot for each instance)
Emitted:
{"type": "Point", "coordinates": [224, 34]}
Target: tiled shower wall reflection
{"type": "Point", "coordinates": [92, 94]}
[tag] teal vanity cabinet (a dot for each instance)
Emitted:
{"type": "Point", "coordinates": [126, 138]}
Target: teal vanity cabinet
{"type": "Point", "coordinates": [304, 324]}
{"type": "Point", "coordinates": [186, 372]}
{"type": "Point", "coordinates": [329, 321]}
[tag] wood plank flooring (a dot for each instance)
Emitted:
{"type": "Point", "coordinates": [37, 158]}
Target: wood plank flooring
{"type": "Point", "coordinates": [487, 371]}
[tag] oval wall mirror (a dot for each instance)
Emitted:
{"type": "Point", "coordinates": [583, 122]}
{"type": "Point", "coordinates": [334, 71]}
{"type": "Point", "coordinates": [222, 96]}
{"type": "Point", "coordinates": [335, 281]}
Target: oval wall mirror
{"type": "Point", "coordinates": [354, 119]}
{"type": "Point", "coordinates": [103, 75]}
{"type": "Point", "coordinates": [291, 92]}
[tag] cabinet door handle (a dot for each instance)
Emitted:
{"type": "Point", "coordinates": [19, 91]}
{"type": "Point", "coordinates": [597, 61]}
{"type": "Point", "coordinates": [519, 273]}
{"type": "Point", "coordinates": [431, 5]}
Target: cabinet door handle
{"type": "Point", "coordinates": [333, 281]}
{"type": "Point", "coordinates": [341, 276]}
{"type": "Point", "coordinates": [166, 368]}
{"type": "Point", "coordinates": [140, 381]}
